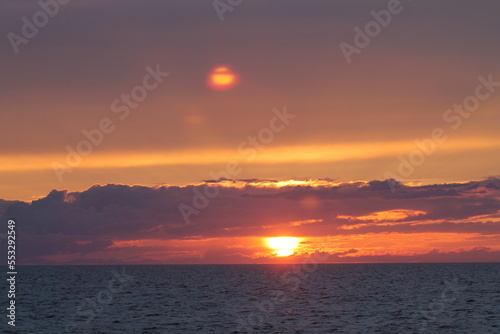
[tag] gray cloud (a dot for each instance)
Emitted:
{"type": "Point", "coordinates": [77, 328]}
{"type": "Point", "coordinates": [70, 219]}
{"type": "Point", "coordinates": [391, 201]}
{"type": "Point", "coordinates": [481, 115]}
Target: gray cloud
{"type": "Point", "coordinates": [61, 221]}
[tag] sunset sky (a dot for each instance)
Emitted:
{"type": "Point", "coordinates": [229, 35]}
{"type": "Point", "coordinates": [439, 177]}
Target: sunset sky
{"type": "Point", "coordinates": [155, 132]}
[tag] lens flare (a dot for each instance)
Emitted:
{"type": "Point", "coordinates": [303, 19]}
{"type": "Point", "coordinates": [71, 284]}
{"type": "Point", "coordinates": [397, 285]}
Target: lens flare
{"type": "Point", "coordinates": [222, 78]}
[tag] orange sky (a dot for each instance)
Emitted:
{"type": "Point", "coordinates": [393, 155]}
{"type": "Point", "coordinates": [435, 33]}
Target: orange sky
{"type": "Point", "coordinates": [232, 221]}
{"type": "Point", "coordinates": [173, 100]}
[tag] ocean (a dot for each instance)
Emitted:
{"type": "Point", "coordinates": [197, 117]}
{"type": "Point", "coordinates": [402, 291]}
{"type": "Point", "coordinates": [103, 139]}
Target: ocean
{"type": "Point", "coordinates": [302, 298]}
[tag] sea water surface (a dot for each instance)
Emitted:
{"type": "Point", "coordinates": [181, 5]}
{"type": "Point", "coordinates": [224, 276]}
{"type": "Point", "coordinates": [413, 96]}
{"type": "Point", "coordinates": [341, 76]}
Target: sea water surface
{"type": "Point", "coordinates": [302, 298]}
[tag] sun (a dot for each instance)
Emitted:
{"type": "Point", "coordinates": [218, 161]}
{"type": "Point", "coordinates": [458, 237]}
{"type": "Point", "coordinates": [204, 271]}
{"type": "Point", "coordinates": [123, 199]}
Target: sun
{"type": "Point", "coordinates": [284, 245]}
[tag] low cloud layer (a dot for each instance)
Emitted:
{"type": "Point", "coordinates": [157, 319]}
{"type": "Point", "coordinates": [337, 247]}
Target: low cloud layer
{"type": "Point", "coordinates": [107, 223]}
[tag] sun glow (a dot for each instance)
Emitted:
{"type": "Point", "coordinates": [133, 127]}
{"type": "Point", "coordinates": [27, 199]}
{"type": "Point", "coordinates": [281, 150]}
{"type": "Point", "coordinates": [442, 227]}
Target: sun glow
{"type": "Point", "coordinates": [284, 245]}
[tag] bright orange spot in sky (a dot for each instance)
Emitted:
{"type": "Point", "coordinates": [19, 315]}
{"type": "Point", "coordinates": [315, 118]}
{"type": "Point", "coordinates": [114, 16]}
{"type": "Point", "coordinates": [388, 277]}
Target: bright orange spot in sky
{"type": "Point", "coordinates": [284, 245]}
{"type": "Point", "coordinates": [222, 78]}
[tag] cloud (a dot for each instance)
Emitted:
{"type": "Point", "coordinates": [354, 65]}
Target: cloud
{"type": "Point", "coordinates": [477, 254]}
{"type": "Point", "coordinates": [102, 56]}
{"type": "Point", "coordinates": [89, 222]}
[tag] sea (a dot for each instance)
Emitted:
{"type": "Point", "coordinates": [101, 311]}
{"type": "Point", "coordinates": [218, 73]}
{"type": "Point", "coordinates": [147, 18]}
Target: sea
{"type": "Point", "coordinates": [285, 298]}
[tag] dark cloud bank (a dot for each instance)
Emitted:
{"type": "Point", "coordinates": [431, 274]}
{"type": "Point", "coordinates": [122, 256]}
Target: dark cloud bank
{"type": "Point", "coordinates": [81, 223]}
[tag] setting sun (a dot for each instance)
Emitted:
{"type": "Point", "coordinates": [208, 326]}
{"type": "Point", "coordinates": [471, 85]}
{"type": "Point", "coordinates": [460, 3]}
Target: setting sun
{"type": "Point", "coordinates": [284, 245]}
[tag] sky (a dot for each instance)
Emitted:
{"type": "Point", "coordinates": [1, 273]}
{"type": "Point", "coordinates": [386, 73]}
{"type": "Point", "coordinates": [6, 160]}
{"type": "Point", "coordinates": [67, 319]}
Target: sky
{"type": "Point", "coordinates": [118, 147]}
